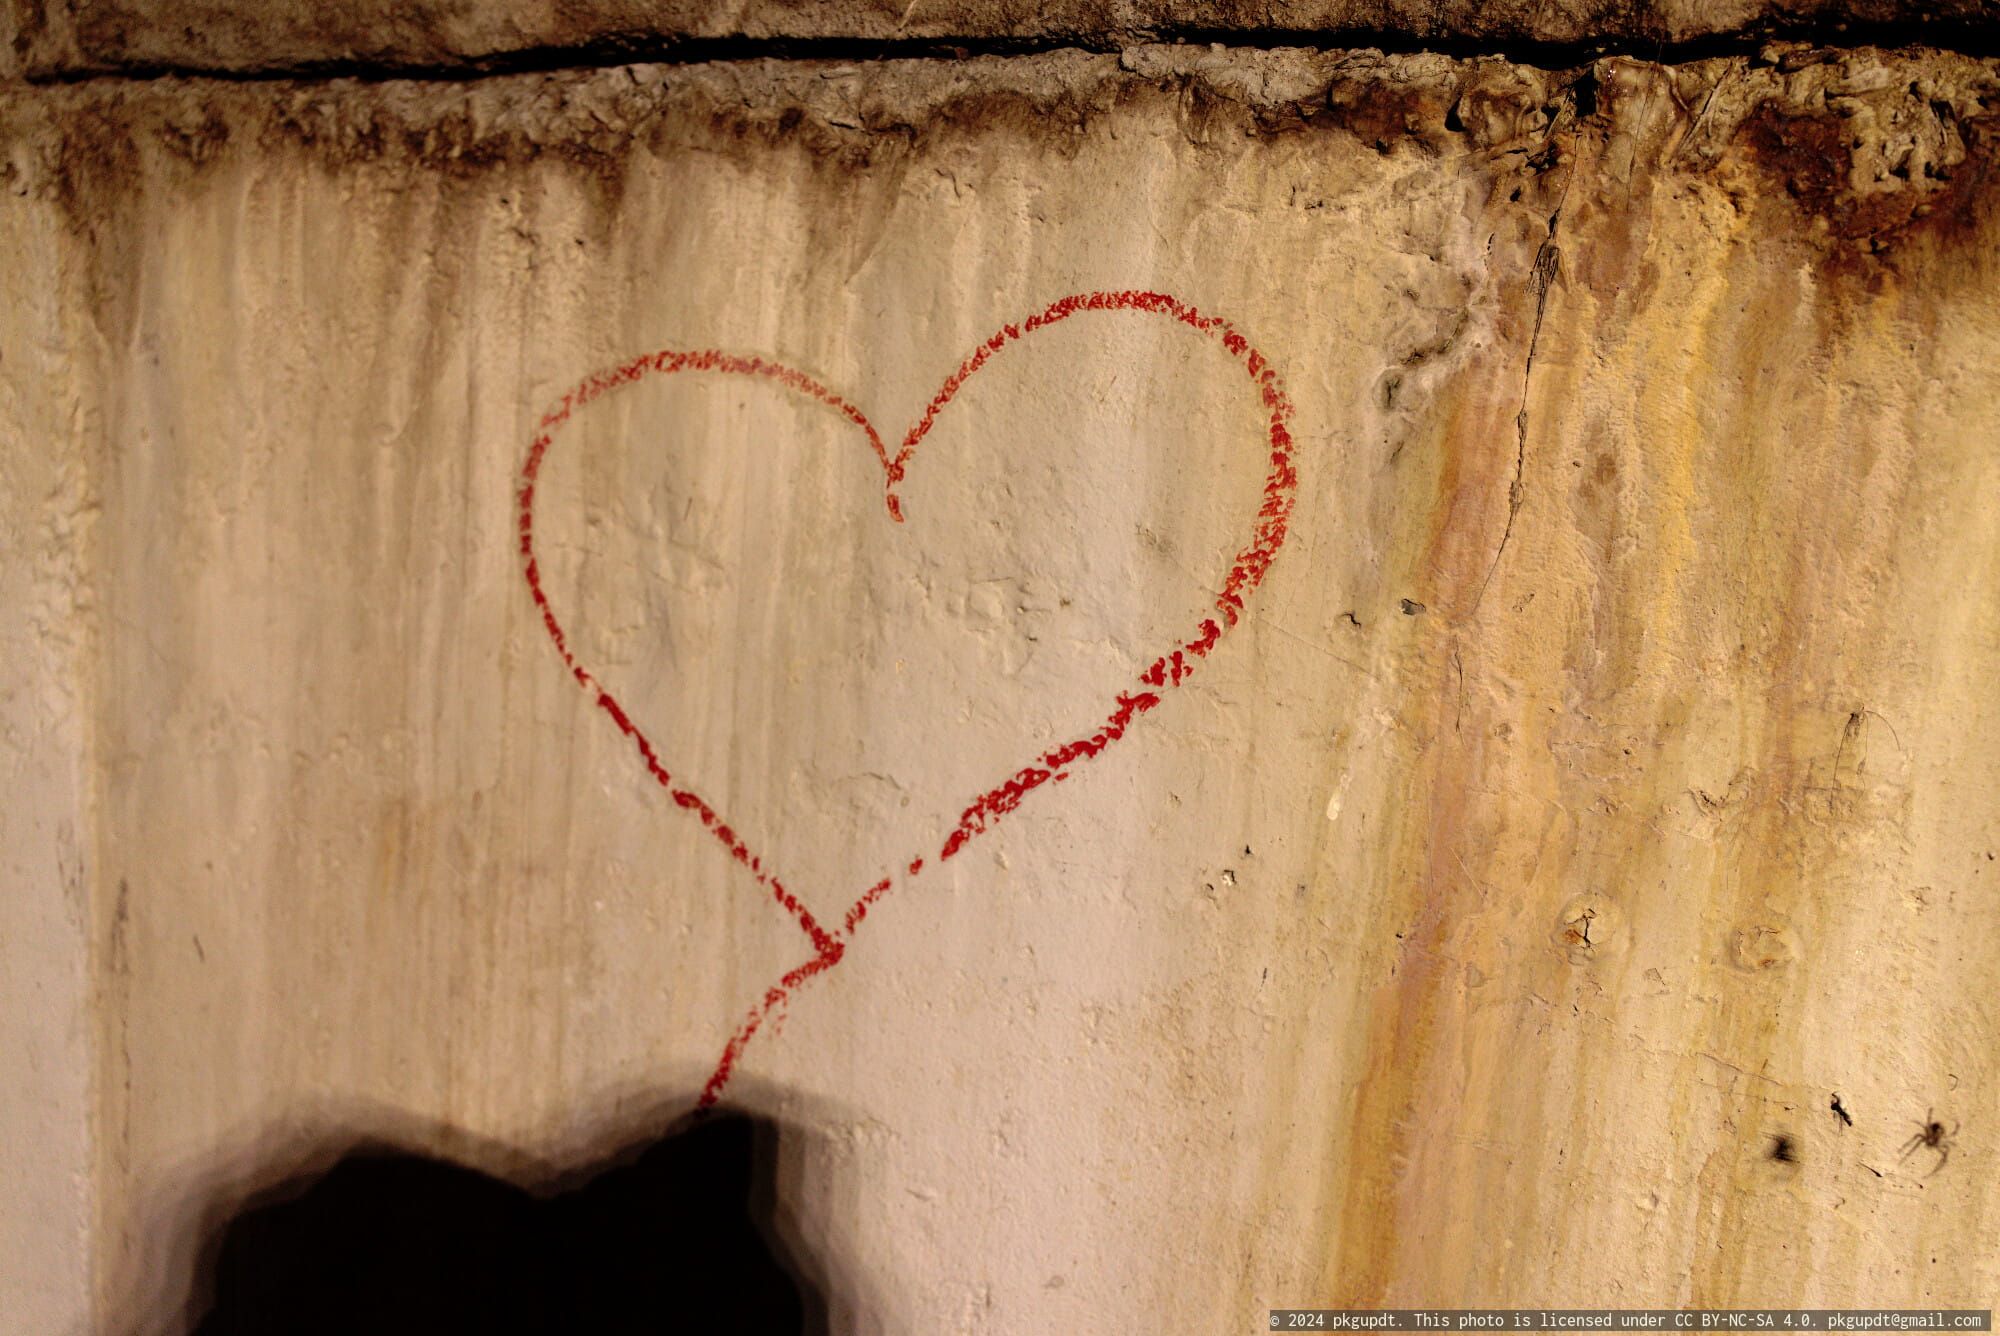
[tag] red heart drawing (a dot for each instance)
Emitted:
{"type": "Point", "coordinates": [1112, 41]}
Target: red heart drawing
{"type": "Point", "coordinates": [1252, 562]}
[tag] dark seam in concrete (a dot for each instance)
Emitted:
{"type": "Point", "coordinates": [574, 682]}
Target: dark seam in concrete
{"type": "Point", "coordinates": [1980, 39]}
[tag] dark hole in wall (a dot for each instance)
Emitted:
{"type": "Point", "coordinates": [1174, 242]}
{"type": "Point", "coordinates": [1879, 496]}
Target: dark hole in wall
{"type": "Point", "coordinates": [672, 1236]}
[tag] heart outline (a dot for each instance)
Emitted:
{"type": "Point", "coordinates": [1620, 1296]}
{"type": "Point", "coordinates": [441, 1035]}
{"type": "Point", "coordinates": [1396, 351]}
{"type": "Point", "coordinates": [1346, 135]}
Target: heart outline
{"type": "Point", "coordinates": [1252, 563]}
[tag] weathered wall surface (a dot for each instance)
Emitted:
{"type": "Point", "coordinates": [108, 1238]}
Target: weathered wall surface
{"type": "Point", "coordinates": [46, 954]}
{"type": "Point", "coordinates": [1603, 777]}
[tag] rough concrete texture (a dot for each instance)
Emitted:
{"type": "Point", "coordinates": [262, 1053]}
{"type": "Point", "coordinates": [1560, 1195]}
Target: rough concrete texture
{"type": "Point", "coordinates": [67, 36]}
{"type": "Point", "coordinates": [1605, 776]}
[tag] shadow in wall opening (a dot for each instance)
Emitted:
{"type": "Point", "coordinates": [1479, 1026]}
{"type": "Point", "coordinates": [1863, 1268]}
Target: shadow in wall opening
{"type": "Point", "coordinates": [673, 1235]}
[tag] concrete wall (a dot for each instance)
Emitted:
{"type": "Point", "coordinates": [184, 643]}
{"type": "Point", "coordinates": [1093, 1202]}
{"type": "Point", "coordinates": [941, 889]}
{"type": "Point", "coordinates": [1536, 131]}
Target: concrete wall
{"type": "Point", "coordinates": [1601, 780]}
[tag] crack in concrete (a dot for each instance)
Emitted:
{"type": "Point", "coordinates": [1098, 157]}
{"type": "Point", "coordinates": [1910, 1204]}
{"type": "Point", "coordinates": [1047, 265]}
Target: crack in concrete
{"type": "Point", "coordinates": [1548, 260]}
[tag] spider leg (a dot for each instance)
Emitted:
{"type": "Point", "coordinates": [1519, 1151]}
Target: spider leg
{"type": "Point", "coordinates": [1944, 1153]}
{"type": "Point", "coordinates": [1911, 1145]}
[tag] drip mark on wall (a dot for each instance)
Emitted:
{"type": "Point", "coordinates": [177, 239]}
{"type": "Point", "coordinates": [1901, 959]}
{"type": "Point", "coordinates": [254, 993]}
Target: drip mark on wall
{"type": "Point", "coordinates": [1170, 670]}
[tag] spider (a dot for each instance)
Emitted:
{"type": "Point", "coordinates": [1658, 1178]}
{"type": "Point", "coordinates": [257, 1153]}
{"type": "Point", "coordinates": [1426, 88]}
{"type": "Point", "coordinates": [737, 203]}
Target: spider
{"type": "Point", "coordinates": [1933, 1136]}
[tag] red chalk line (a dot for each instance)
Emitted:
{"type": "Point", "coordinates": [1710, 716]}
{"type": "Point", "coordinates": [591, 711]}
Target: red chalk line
{"type": "Point", "coordinates": [1248, 570]}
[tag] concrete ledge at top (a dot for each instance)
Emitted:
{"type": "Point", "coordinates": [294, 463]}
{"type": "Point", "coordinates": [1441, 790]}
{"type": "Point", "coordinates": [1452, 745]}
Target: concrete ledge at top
{"type": "Point", "coordinates": [69, 38]}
